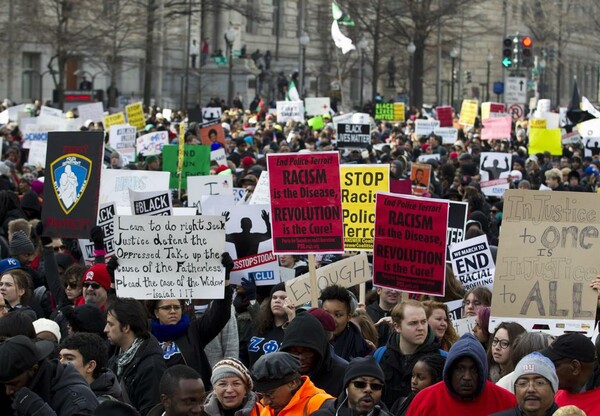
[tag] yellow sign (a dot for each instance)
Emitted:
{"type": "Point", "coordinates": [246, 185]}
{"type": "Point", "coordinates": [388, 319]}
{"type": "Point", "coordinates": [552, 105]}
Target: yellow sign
{"type": "Point", "coordinates": [541, 140]}
{"type": "Point", "coordinates": [537, 123]}
{"type": "Point", "coordinates": [113, 119]}
{"type": "Point", "coordinates": [468, 112]}
{"type": "Point", "coordinates": [135, 115]}
{"type": "Point", "coordinates": [359, 186]}
{"type": "Point", "coordinates": [399, 111]}
{"type": "Point", "coordinates": [389, 111]}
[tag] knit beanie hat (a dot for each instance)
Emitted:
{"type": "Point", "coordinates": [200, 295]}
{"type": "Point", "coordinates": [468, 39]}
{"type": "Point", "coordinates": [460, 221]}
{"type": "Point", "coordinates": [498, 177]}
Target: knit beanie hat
{"type": "Point", "coordinates": [97, 273]}
{"type": "Point", "coordinates": [361, 367]}
{"type": "Point", "coordinates": [275, 369]}
{"type": "Point", "coordinates": [231, 367]}
{"type": "Point", "coordinates": [536, 363]}
{"type": "Point", "coordinates": [20, 244]}
{"type": "Point", "coordinates": [47, 325]}
{"type": "Point", "coordinates": [86, 318]}
{"type": "Point", "coordinates": [279, 286]}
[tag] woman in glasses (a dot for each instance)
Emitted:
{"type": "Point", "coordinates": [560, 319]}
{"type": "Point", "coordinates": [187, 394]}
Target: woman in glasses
{"type": "Point", "coordinates": [499, 349]}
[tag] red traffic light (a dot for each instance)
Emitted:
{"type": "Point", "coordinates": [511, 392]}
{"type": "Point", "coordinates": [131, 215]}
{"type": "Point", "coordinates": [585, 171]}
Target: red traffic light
{"type": "Point", "coordinates": [526, 41]}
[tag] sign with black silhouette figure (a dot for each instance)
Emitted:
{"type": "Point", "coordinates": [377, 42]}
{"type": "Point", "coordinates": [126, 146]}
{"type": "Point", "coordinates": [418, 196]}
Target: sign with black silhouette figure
{"type": "Point", "coordinates": [495, 168]}
{"type": "Point", "coordinates": [73, 166]}
{"type": "Point", "coordinates": [547, 258]}
{"type": "Point", "coordinates": [306, 204]}
{"type": "Point", "coordinates": [249, 241]}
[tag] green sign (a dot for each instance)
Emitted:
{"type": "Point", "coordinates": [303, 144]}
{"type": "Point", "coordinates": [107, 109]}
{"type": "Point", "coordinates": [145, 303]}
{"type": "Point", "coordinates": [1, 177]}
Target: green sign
{"type": "Point", "coordinates": [384, 111]}
{"type": "Point", "coordinates": [196, 162]}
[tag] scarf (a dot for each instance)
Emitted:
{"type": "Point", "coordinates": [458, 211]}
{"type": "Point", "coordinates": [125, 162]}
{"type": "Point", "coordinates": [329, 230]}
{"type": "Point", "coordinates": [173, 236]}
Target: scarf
{"type": "Point", "coordinates": [127, 356]}
{"type": "Point", "coordinates": [170, 332]}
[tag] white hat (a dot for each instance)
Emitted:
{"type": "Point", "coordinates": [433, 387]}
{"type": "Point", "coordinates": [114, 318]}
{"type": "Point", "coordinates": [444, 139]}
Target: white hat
{"type": "Point", "coordinates": [47, 325]}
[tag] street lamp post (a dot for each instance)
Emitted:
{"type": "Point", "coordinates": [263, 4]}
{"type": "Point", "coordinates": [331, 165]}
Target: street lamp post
{"type": "Point", "coordinates": [362, 46]}
{"type": "Point", "coordinates": [489, 58]}
{"type": "Point", "coordinates": [453, 55]}
{"type": "Point", "coordinates": [411, 49]}
{"type": "Point", "coordinates": [229, 38]}
{"type": "Point", "coordinates": [304, 41]}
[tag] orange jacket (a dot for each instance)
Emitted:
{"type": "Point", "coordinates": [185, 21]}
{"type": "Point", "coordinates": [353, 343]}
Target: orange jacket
{"type": "Point", "coordinates": [307, 399]}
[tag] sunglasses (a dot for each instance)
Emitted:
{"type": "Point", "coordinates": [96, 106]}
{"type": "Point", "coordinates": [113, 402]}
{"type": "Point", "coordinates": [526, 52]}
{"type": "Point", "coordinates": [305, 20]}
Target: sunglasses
{"type": "Point", "coordinates": [59, 248]}
{"type": "Point", "coordinates": [363, 384]}
{"type": "Point", "coordinates": [71, 285]}
{"type": "Point", "coordinates": [94, 285]}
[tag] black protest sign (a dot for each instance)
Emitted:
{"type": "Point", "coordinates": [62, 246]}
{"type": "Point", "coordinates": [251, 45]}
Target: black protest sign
{"type": "Point", "coordinates": [194, 115]}
{"type": "Point", "coordinates": [73, 166]}
{"type": "Point", "coordinates": [457, 219]}
{"type": "Point", "coordinates": [353, 135]}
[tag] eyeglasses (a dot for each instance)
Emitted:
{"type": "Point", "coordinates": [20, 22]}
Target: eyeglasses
{"type": "Point", "coordinates": [168, 308]}
{"type": "Point", "coordinates": [504, 343]}
{"type": "Point", "coordinates": [363, 384]}
{"type": "Point", "coordinates": [538, 383]}
{"type": "Point", "coordinates": [94, 285]}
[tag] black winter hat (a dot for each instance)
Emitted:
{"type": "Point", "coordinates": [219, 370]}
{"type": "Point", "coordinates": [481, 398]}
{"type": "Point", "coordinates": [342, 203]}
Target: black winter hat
{"type": "Point", "coordinates": [86, 318]}
{"type": "Point", "coordinates": [20, 244]}
{"type": "Point", "coordinates": [361, 367]}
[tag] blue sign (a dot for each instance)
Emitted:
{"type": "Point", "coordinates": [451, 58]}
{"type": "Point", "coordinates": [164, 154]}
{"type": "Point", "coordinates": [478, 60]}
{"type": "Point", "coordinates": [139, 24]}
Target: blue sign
{"type": "Point", "coordinates": [498, 87]}
{"type": "Point", "coordinates": [264, 275]}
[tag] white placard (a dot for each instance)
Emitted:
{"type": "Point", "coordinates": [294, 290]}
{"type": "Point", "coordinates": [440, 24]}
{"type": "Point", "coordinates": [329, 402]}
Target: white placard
{"type": "Point", "coordinates": [317, 106]}
{"type": "Point", "coordinates": [290, 110]}
{"type": "Point", "coordinates": [261, 194]}
{"type": "Point", "coordinates": [170, 257]}
{"type": "Point", "coordinates": [151, 203]}
{"type": "Point", "coordinates": [449, 135]}
{"type": "Point", "coordinates": [105, 220]}
{"type": "Point", "coordinates": [210, 114]}
{"type": "Point", "coordinates": [151, 144]}
{"type": "Point", "coordinates": [37, 153]}
{"type": "Point", "coordinates": [426, 127]}
{"type": "Point", "coordinates": [199, 186]}
{"type": "Point", "coordinates": [92, 111]}
{"type": "Point", "coordinates": [515, 90]}
{"type": "Point", "coordinates": [50, 111]}
{"type": "Point", "coordinates": [472, 263]}
{"type": "Point", "coordinates": [219, 156]}
{"type": "Point", "coordinates": [122, 138]}
{"type": "Point", "coordinates": [116, 183]}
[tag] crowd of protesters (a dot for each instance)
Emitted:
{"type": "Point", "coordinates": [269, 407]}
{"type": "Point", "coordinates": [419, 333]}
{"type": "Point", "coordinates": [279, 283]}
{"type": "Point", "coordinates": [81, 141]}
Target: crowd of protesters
{"type": "Point", "coordinates": [70, 346]}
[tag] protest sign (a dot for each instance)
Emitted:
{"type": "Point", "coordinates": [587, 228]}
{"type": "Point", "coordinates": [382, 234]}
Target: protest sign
{"type": "Point", "coordinates": [496, 128]}
{"type": "Point", "coordinates": [590, 136]}
{"type": "Point", "coordinates": [537, 123]}
{"type": "Point", "coordinates": [52, 112]}
{"type": "Point", "coordinates": [37, 153]}
{"type": "Point", "coordinates": [495, 187]}
{"type": "Point", "coordinates": [489, 109]}
{"type": "Point", "coordinates": [195, 115]}
{"type": "Point", "coordinates": [400, 186]}
{"type": "Point", "coordinates": [468, 112]}
{"type": "Point", "coordinates": [105, 220]}
{"type": "Point", "coordinates": [472, 263]}
{"type": "Point", "coordinates": [409, 253]}
{"type": "Point", "coordinates": [316, 123]}
{"type": "Point", "coordinates": [116, 183]}
{"type": "Point", "coordinates": [449, 135]}
{"type": "Point", "coordinates": [167, 112]}
{"type": "Point", "coordinates": [113, 119]}
{"type": "Point", "coordinates": [428, 156]}
{"type": "Point", "coordinates": [249, 241]}
{"type": "Point", "coordinates": [196, 162]}
{"type": "Point", "coordinates": [457, 220]}
{"type": "Point", "coordinates": [219, 156]}
{"type": "Point", "coordinates": [317, 106]}
{"type": "Point", "coordinates": [306, 207]}
{"type": "Point", "coordinates": [13, 112]}
{"type": "Point", "coordinates": [92, 111]}
{"type": "Point", "coordinates": [347, 272]}
{"type": "Point", "coordinates": [552, 120]}
{"type": "Point", "coordinates": [360, 183]}
{"type": "Point", "coordinates": [455, 309]}
{"type": "Point", "coordinates": [212, 134]}
{"type": "Point", "coordinates": [215, 204]}
{"type": "Point", "coordinates": [290, 110]}
{"type": "Point", "coordinates": [135, 116]}
{"type": "Point", "coordinates": [425, 127]}
{"type": "Point", "coordinates": [4, 117]}
{"type": "Point", "coordinates": [546, 260]}
{"type": "Point", "coordinates": [420, 174]}
{"type": "Point", "coordinates": [541, 140]}
{"type": "Point", "coordinates": [121, 137]}
{"type": "Point", "coordinates": [169, 257]}
{"type": "Point", "coordinates": [571, 138]}
{"type": "Point", "coordinates": [464, 325]}
{"type": "Point", "coordinates": [492, 164]}
{"type": "Point", "coordinates": [261, 193]}
{"type": "Point", "coordinates": [151, 203]}
{"type": "Point", "coordinates": [444, 115]}
{"type": "Point", "coordinates": [32, 134]}
{"type": "Point", "coordinates": [208, 185]}
{"type": "Point", "coordinates": [73, 165]}
{"type": "Point", "coordinates": [353, 135]}
{"type": "Point", "coordinates": [151, 144]}
{"type": "Point", "coordinates": [211, 113]}
{"type": "Point", "coordinates": [389, 111]}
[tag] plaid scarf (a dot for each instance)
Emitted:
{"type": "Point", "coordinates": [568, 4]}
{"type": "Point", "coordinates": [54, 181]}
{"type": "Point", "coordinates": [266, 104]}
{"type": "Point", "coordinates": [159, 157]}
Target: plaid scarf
{"type": "Point", "coordinates": [126, 357]}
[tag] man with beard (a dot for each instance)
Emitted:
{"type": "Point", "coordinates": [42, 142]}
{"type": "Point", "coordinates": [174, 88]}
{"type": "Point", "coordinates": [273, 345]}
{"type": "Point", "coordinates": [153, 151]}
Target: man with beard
{"type": "Point", "coordinates": [364, 384]}
{"type": "Point", "coordinates": [465, 389]}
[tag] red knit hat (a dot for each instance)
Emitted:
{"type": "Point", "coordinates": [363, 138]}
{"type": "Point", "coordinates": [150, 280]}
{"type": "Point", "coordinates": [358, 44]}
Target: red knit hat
{"type": "Point", "coordinates": [220, 169]}
{"type": "Point", "coordinates": [247, 161]}
{"type": "Point", "coordinates": [99, 274]}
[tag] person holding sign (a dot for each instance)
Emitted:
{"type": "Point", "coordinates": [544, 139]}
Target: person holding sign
{"type": "Point", "coordinates": [183, 340]}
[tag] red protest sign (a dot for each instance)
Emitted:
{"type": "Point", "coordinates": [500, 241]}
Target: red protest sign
{"type": "Point", "coordinates": [306, 205]}
{"type": "Point", "coordinates": [409, 252]}
{"type": "Point", "coordinates": [496, 128]}
{"type": "Point", "coordinates": [444, 115]}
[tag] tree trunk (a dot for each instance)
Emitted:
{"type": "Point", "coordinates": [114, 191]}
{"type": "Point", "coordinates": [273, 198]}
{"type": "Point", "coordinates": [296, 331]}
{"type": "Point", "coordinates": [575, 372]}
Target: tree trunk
{"type": "Point", "coordinates": [60, 87]}
{"type": "Point", "coordinates": [417, 74]}
{"type": "Point", "coordinates": [149, 63]}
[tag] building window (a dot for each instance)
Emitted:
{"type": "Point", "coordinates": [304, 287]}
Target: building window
{"type": "Point", "coordinates": [278, 13]}
{"type": "Point", "coordinates": [31, 75]}
{"type": "Point", "coordinates": [252, 16]}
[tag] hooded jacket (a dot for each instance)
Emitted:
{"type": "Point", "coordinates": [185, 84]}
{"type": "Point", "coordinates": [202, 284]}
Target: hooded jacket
{"type": "Point", "coordinates": [57, 390]}
{"type": "Point", "coordinates": [351, 344]}
{"type": "Point", "coordinates": [142, 375]}
{"type": "Point", "coordinates": [306, 331]}
{"type": "Point", "coordinates": [307, 399]}
{"type": "Point", "coordinates": [442, 399]}
{"type": "Point", "coordinates": [340, 407]}
{"type": "Point", "coordinates": [397, 366]}
{"type": "Point", "coordinates": [107, 387]}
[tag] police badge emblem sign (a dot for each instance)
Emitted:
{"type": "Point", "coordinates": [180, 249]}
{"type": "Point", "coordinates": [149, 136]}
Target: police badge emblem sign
{"type": "Point", "coordinates": [70, 175]}
{"type": "Point", "coordinates": [73, 166]}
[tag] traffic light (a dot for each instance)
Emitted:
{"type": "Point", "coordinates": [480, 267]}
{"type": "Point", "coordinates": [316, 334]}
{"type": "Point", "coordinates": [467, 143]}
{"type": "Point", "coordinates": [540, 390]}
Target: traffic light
{"type": "Point", "coordinates": [468, 76]}
{"type": "Point", "coordinates": [507, 53]}
{"type": "Point", "coordinates": [526, 52]}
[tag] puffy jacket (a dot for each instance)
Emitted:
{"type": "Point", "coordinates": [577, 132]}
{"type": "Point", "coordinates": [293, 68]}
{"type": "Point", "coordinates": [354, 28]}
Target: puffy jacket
{"type": "Point", "coordinates": [308, 399]}
{"type": "Point", "coordinates": [340, 407]}
{"type": "Point", "coordinates": [250, 407]}
{"type": "Point", "coordinates": [142, 375]}
{"type": "Point", "coordinates": [107, 387]}
{"type": "Point", "coordinates": [326, 373]}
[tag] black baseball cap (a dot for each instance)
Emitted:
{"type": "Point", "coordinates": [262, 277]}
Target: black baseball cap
{"type": "Point", "coordinates": [572, 345]}
{"type": "Point", "coordinates": [19, 353]}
